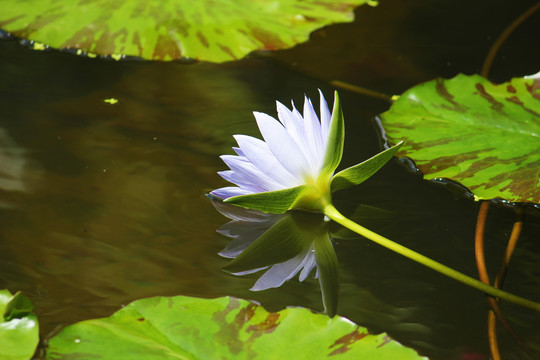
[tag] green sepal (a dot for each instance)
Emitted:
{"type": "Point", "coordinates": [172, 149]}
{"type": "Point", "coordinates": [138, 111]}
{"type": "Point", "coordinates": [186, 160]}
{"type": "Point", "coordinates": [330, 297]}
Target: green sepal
{"type": "Point", "coordinates": [281, 242]}
{"type": "Point", "coordinates": [336, 138]}
{"type": "Point", "coordinates": [327, 266]}
{"type": "Point", "coordinates": [274, 202]}
{"type": "Point", "coordinates": [361, 172]}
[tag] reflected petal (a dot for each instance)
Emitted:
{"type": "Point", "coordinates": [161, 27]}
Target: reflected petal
{"type": "Point", "coordinates": [240, 214]}
{"type": "Point", "coordinates": [278, 274]}
{"type": "Point", "coordinates": [309, 264]}
{"type": "Point", "coordinates": [247, 272]}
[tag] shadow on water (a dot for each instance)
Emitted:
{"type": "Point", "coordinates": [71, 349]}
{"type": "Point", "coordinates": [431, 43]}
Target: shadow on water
{"type": "Point", "coordinates": [102, 204]}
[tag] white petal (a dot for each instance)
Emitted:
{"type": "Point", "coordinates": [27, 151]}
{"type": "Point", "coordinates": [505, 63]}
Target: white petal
{"type": "Point", "coordinates": [238, 151]}
{"type": "Point", "coordinates": [259, 154]}
{"type": "Point", "coordinates": [241, 180]}
{"type": "Point", "coordinates": [295, 127]}
{"type": "Point", "coordinates": [326, 118]}
{"type": "Point", "coordinates": [250, 173]}
{"type": "Point", "coordinates": [283, 146]}
{"type": "Point", "coordinates": [227, 192]}
{"type": "Point", "coordinates": [310, 153]}
{"type": "Point", "coordinates": [313, 129]}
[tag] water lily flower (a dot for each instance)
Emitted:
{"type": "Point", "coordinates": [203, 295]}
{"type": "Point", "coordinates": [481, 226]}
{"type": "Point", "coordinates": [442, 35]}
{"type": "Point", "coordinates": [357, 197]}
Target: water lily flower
{"type": "Point", "coordinates": [293, 168]}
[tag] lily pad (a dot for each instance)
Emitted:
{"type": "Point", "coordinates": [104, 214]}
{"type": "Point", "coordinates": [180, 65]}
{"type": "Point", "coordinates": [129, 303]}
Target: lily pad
{"type": "Point", "coordinates": [482, 135]}
{"type": "Point", "coordinates": [171, 29]}
{"type": "Point", "coordinates": [183, 327]}
{"type": "Point", "coordinates": [19, 331]}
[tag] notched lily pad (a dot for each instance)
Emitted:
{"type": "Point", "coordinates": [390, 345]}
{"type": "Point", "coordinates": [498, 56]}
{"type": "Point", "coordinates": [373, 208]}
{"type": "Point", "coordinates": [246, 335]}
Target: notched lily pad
{"type": "Point", "coordinates": [172, 29]}
{"type": "Point", "coordinates": [183, 327]}
{"type": "Point", "coordinates": [482, 135]}
{"type": "Point", "coordinates": [19, 331]}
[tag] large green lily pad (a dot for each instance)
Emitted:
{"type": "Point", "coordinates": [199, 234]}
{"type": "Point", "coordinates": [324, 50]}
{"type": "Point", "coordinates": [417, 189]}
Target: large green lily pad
{"type": "Point", "coordinates": [483, 135]}
{"type": "Point", "coordinates": [19, 331]}
{"type": "Point", "coordinates": [224, 328]}
{"type": "Point", "coordinates": [171, 29]}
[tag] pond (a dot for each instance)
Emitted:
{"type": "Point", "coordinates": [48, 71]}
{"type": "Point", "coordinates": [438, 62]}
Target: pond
{"type": "Point", "coordinates": [102, 204]}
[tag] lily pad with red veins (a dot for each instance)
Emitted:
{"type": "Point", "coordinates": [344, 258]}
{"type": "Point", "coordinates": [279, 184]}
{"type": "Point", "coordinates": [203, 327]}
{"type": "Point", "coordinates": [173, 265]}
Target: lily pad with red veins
{"type": "Point", "coordinates": [182, 327]}
{"type": "Point", "coordinates": [171, 29]}
{"type": "Point", "coordinates": [482, 135]}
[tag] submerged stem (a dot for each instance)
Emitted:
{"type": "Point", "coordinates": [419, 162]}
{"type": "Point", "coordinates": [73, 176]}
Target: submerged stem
{"type": "Point", "coordinates": [514, 236]}
{"type": "Point", "coordinates": [335, 215]}
{"type": "Point", "coordinates": [484, 277]}
{"type": "Point", "coordinates": [492, 336]}
{"type": "Point", "coordinates": [361, 90]}
{"type": "Point", "coordinates": [502, 38]}
{"type": "Point", "coordinates": [479, 242]}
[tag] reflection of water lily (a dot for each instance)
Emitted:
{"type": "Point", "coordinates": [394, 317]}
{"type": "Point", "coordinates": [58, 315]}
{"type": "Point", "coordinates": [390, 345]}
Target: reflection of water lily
{"type": "Point", "coordinates": [281, 245]}
{"type": "Point", "coordinates": [277, 274]}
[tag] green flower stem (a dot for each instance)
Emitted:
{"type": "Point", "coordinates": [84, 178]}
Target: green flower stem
{"type": "Point", "coordinates": [335, 215]}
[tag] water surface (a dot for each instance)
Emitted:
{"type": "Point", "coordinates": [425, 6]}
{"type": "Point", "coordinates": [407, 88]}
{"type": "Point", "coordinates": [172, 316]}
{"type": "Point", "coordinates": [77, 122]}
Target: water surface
{"type": "Point", "coordinates": [103, 204]}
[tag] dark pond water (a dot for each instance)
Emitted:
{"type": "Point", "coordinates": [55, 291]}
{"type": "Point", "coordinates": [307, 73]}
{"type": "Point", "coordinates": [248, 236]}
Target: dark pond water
{"type": "Point", "coordinates": [103, 204]}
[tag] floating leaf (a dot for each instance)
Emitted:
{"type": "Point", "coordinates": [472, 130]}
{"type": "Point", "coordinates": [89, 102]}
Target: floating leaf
{"type": "Point", "coordinates": [224, 328]}
{"type": "Point", "coordinates": [17, 307]}
{"type": "Point", "coordinates": [172, 29]}
{"type": "Point", "coordinates": [19, 332]}
{"type": "Point", "coordinates": [466, 129]}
